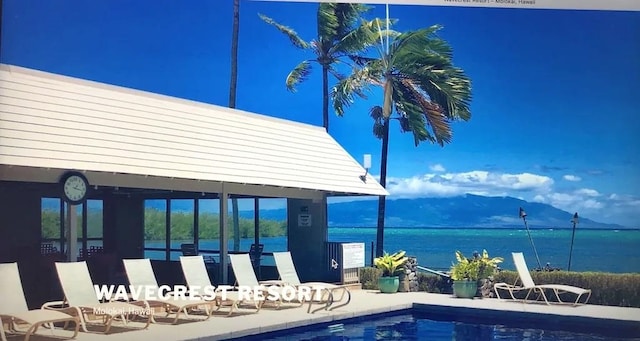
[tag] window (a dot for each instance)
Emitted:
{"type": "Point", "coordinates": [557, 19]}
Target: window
{"type": "Point", "coordinates": [89, 222]}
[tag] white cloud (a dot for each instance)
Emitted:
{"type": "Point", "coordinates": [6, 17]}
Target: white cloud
{"type": "Point", "coordinates": [573, 178]}
{"type": "Point", "coordinates": [437, 168]}
{"type": "Point", "coordinates": [475, 182]}
{"type": "Point", "coordinates": [589, 202]}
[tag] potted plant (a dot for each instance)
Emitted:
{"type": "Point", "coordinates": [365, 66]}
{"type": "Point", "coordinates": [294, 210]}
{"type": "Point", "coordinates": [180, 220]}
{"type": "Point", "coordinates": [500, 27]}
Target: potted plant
{"type": "Point", "coordinates": [391, 265]}
{"type": "Point", "coordinates": [467, 272]}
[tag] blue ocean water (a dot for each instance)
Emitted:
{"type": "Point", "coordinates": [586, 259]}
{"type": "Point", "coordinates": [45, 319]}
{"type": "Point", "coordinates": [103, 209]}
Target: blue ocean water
{"type": "Point", "coordinates": [615, 251]}
{"type": "Point", "coordinates": [418, 327]}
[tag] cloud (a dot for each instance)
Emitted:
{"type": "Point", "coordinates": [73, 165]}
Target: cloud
{"type": "Point", "coordinates": [573, 178]}
{"type": "Point", "coordinates": [437, 168]}
{"type": "Point", "coordinates": [474, 182]}
{"type": "Point", "coordinates": [588, 202]}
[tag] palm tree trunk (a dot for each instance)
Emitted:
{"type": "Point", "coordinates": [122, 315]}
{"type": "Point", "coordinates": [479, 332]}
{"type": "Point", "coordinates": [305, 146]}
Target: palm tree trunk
{"type": "Point", "coordinates": [325, 97]}
{"type": "Point", "coordinates": [234, 54]}
{"type": "Point", "coordinates": [383, 181]}
{"type": "Point", "coordinates": [232, 104]}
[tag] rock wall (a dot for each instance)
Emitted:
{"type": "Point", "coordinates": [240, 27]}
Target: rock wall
{"type": "Point", "coordinates": [409, 277]}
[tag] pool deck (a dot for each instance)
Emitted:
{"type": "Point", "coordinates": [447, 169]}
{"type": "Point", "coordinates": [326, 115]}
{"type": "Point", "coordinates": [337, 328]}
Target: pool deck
{"type": "Point", "coordinates": [365, 302]}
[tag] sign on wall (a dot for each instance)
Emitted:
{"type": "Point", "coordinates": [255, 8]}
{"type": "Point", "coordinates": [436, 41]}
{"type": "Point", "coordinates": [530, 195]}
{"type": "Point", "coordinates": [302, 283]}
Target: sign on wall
{"type": "Point", "coordinates": [352, 255]}
{"type": "Point", "coordinates": [304, 220]}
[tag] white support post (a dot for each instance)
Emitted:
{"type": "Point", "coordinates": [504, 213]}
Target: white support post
{"type": "Point", "coordinates": [72, 233]}
{"type": "Point", "coordinates": [224, 210]}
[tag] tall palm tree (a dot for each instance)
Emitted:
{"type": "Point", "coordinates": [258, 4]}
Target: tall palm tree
{"type": "Point", "coordinates": [336, 39]}
{"type": "Point", "coordinates": [233, 86]}
{"type": "Point", "coordinates": [422, 90]}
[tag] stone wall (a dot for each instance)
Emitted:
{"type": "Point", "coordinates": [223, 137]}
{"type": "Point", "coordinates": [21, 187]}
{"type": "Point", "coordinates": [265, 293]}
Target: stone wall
{"type": "Point", "coordinates": [409, 278]}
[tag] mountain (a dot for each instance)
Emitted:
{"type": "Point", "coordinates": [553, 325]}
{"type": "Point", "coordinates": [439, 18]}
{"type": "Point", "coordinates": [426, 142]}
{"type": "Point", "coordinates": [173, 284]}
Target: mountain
{"type": "Point", "coordinates": [463, 211]}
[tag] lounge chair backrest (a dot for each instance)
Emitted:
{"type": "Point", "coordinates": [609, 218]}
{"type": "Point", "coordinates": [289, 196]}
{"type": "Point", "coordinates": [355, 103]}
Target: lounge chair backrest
{"type": "Point", "coordinates": [140, 273]}
{"type": "Point", "coordinates": [13, 300]}
{"type": "Point", "coordinates": [523, 270]}
{"type": "Point", "coordinates": [286, 268]}
{"type": "Point", "coordinates": [194, 271]}
{"type": "Point", "coordinates": [76, 284]}
{"type": "Point", "coordinates": [243, 270]}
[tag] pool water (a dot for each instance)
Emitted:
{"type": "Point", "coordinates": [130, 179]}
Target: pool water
{"type": "Point", "coordinates": [420, 327]}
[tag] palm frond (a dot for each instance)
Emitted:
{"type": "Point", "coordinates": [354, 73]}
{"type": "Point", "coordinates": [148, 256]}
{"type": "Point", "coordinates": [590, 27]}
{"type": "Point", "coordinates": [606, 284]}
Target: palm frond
{"type": "Point", "coordinates": [344, 93]}
{"type": "Point", "coordinates": [378, 121]}
{"type": "Point", "coordinates": [356, 40]}
{"type": "Point", "coordinates": [299, 74]}
{"type": "Point", "coordinates": [429, 114]}
{"type": "Point", "coordinates": [339, 76]}
{"type": "Point", "coordinates": [289, 32]}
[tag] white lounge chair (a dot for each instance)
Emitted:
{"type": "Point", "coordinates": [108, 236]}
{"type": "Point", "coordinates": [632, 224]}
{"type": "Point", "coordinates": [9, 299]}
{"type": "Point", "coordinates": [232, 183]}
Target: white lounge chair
{"type": "Point", "coordinates": [80, 294]}
{"type": "Point", "coordinates": [140, 275]}
{"type": "Point", "coordinates": [15, 312]}
{"type": "Point", "coordinates": [326, 294]}
{"type": "Point", "coordinates": [196, 275]}
{"type": "Point", "coordinates": [278, 293]}
{"type": "Point", "coordinates": [531, 288]}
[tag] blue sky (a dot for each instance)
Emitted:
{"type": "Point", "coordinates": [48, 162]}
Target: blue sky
{"type": "Point", "coordinates": [555, 111]}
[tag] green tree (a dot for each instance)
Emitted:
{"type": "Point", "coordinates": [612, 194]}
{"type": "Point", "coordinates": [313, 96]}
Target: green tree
{"type": "Point", "coordinates": [336, 39]}
{"type": "Point", "coordinates": [422, 90]}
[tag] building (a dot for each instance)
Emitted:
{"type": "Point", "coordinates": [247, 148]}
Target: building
{"type": "Point", "coordinates": [133, 146]}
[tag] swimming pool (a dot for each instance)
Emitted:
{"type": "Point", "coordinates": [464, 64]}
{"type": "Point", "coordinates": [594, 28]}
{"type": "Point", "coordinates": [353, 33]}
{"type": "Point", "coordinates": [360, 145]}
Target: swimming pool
{"type": "Point", "coordinates": [423, 326]}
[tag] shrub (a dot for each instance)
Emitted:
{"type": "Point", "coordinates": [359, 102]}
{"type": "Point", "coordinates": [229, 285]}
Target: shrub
{"type": "Point", "coordinates": [610, 289]}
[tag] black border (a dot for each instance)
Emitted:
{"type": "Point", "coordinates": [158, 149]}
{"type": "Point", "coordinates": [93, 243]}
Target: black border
{"type": "Point", "coordinates": [64, 178]}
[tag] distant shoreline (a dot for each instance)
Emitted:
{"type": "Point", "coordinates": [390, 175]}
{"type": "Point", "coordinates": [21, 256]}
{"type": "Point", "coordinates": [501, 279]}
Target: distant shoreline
{"type": "Point", "coordinates": [488, 228]}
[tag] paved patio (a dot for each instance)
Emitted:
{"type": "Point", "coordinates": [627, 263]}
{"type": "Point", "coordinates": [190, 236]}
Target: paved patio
{"type": "Point", "coordinates": [366, 302]}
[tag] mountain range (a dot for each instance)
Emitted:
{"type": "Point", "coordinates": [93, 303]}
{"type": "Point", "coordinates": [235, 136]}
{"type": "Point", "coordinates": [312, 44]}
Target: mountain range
{"type": "Point", "coordinates": [462, 211]}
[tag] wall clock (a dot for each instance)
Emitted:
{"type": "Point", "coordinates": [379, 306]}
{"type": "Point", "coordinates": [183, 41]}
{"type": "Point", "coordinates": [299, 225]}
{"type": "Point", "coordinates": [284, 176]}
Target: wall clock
{"type": "Point", "coordinates": [74, 187]}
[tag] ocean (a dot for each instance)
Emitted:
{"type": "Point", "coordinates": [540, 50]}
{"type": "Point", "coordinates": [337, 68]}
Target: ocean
{"type": "Point", "coordinates": [616, 251]}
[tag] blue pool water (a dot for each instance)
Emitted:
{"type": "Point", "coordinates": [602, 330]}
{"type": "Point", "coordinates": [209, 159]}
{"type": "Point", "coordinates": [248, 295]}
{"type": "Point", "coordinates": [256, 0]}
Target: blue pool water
{"type": "Point", "coordinates": [419, 326]}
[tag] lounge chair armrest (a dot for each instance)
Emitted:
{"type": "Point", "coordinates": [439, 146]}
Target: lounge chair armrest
{"type": "Point", "coordinates": [55, 305]}
{"type": "Point", "coordinates": [61, 306]}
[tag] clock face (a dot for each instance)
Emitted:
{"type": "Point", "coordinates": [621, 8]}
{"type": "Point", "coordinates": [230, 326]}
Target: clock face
{"type": "Point", "coordinates": [75, 188]}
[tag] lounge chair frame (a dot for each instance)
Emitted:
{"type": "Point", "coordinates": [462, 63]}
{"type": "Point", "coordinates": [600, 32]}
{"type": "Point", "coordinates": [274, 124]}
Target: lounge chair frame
{"type": "Point", "coordinates": [75, 275]}
{"type": "Point", "coordinates": [140, 273]}
{"type": "Point", "coordinates": [19, 313]}
{"type": "Point", "coordinates": [246, 276]}
{"type": "Point", "coordinates": [530, 287]}
{"type": "Point", "coordinates": [196, 275]}
{"type": "Point", "coordinates": [327, 291]}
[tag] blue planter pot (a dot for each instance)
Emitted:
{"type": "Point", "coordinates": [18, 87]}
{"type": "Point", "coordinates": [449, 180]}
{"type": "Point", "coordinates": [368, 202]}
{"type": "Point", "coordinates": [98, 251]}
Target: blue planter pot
{"type": "Point", "coordinates": [388, 285]}
{"type": "Point", "coordinates": [465, 289]}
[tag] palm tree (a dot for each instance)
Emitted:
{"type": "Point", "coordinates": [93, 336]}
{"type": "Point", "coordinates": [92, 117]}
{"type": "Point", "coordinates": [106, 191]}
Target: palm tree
{"type": "Point", "coordinates": [232, 104]}
{"type": "Point", "coordinates": [422, 90]}
{"type": "Point", "coordinates": [336, 39]}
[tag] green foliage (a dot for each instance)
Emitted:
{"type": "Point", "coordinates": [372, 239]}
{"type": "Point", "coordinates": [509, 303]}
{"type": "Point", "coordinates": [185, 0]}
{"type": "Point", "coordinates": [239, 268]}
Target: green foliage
{"type": "Point", "coordinates": [476, 268]}
{"type": "Point", "coordinates": [50, 220]}
{"type": "Point", "coordinates": [621, 290]}
{"type": "Point", "coordinates": [606, 288]}
{"type": "Point", "coordinates": [209, 226]}
{"type": "Point", "coordinates": [391, 264]}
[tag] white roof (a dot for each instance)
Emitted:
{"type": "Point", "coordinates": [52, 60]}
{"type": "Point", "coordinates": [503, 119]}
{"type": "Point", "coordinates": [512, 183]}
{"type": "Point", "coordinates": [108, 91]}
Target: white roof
{"type": "Point", "coordinates": [59, 123]}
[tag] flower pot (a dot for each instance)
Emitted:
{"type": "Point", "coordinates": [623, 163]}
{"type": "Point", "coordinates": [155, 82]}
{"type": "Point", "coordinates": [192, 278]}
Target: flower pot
{"type": "Point", "coordinates": [388, 284]}
{"type": "Point", "coordinates": [465, 289]}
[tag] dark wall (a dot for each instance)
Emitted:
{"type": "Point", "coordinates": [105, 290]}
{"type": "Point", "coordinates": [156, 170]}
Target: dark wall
{"type": "Point", "coordinates": [307, 244]}
{"type": "Point", "coordinates": [20, 229]}
{"type": "Point", "coordinates": [20, 224]}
